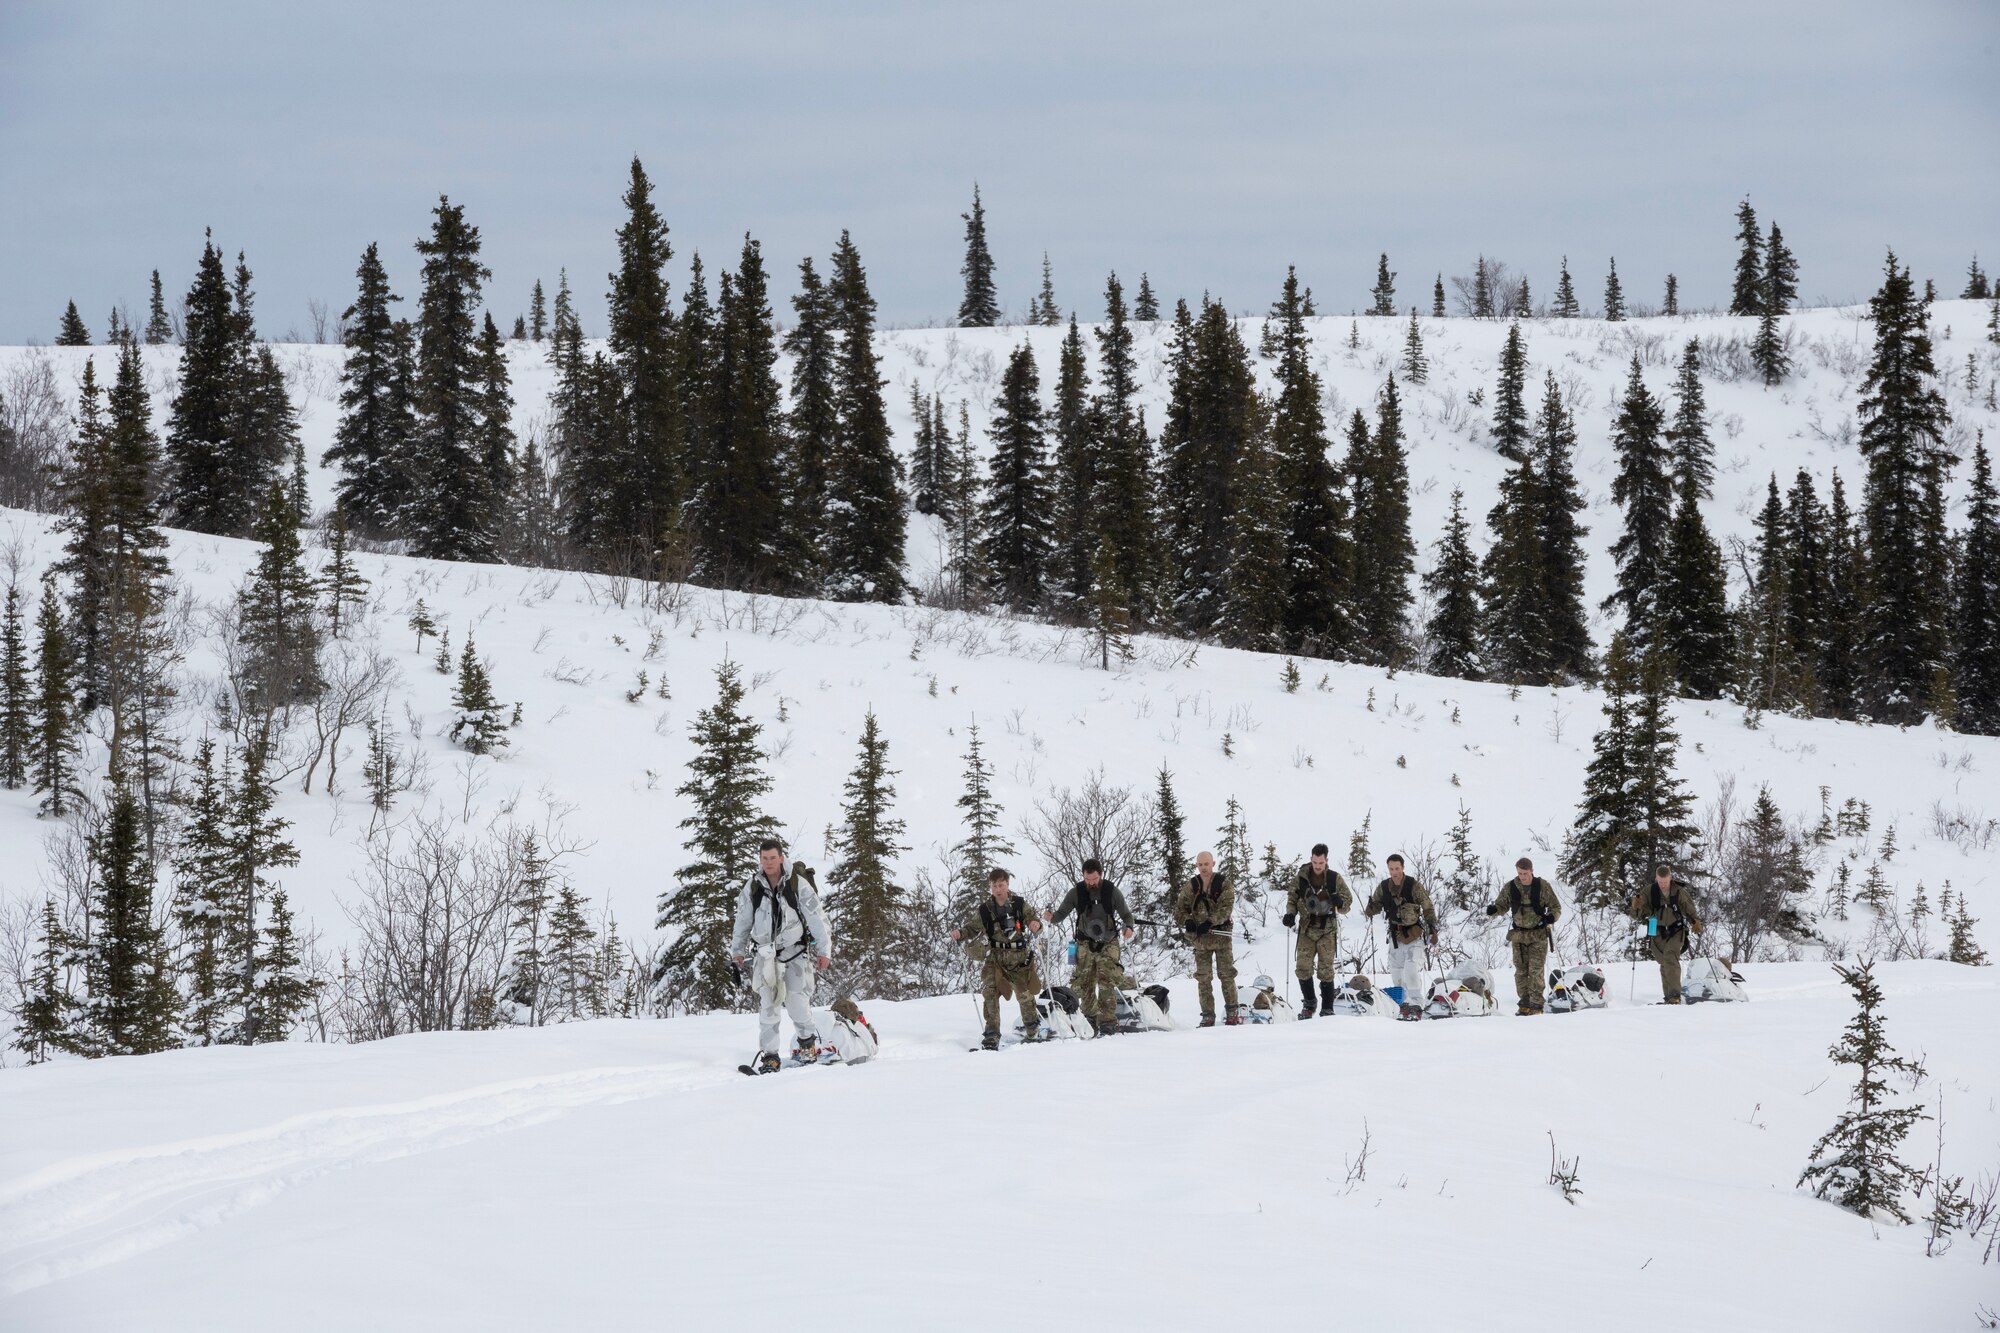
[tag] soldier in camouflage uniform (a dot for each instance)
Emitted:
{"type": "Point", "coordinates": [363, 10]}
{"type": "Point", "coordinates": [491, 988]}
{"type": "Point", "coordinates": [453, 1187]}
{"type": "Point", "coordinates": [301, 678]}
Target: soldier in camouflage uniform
{"type": "Point", "coordinates": [1406, 908]}
{"type": "Point", "coordinates": [1205, 910]}
{"type": "Point", "coordinates": [1668, 903]}
{"type": "Point", "coordinates": [1098, 975]}
{"type": "Point", "coordinates": [1001, 933]}
{"type": "Point", "coordinates": [1534, 907]}
{"type": "Point", "coordinates": [1313, 906]}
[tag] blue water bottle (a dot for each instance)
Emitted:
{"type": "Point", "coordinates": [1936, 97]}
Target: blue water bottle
{"type": "Point", "coordinates": [1652, 926]}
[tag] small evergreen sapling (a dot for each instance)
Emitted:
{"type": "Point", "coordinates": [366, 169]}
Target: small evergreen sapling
{"type": "Point", "coordinates": [1854, 1164]}
{"type": "Point", "coordinates": [478, 723]}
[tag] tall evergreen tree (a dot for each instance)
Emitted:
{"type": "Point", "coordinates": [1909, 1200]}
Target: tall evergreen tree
{"type": "Point", "coordinates": [1257, 580]}
{"type": "Point", "coordinates": [57, 719]}
{"type": "Point", "coordinates": [1807, 587]}
{"type": "Point", "coordinates": [1748, 296]}
{"type": "Point", "coordinates": [1781, 275]}
{"type": "Point", "coordinates": [1976, 609]}
{"type": "Point", "coordinates": [1694, 599]}
{"type": "Point", "coordinates": [1557, 501]}
{"type": "Point", "coordinates": [160, 329]}
{"type": "Point", "coordinates": [980, 308]}
{"type": "Point", "coordinates": [1839, 666]}
{"type": "Point", "coordinates": [1510, 407]}
{"type": "Point", "coordinates": [283, 988]}
{"type": "Point", "coordinates": [200, 470]}
{"type": "Point", "coordinates": [1905, 634]}
{"type": "Point", "coordinates": [815, 414]}
{"type": "Point", "coordinates": [1643, 488]}
{"type": "Point", "coordinates": [1566, 305]}
{"type": "Point", "coordinates": [1635, 811]}
{"type": "Point", "coordinates": [47, 1020]}
{"type": "Point", "coordinates": [1767, 349]}
{"type": "Point", "coordinates": [343, 586]}
{"type": "Point", "coordinates": [1318, 561]}
{"type": "Point", "coordinates": [17, 701]}
{"type": "Point", "coordinates": [538, 313]}
{"type": "Point", "coordinates": [1203, 437]}
{"type": "Point", "coordinates": [985, 845]}
{"type": "Point", "coordinates": [1977, 286]}
{"type": "Point", "coordinates": [726, 784]}
{"type": "Point", "coordinates": [1416, 367]}
{"type": "Point", "coordinates": [88, 556]}
{"type": "Point", "coordinates": [73, 332]}
{"type": "Point", "coordinates": [451, 507]}
{"type": "Point", "coordinates": [866, 905]}
{"type": "Point", "coordinates": [1671, 303]}
{"type": "Point", "coordinates": [372, 443]}
{"type": "Point", "coordinates": [1123, 491]}
{"type": "Point", "coordinates": [133, 1005]}
{"type": "Point", "coordinates": [1169, 839]}
{"type": "Point", "coordinates": [254, 834]}
{"type": "Point", "coordinates": [1614, 296]}
{"type": "Point", "coordinates": [1452, 631]}
{"type": "Point", "coordinates": [493, 428]}
{"type": "Point", "coordinates": [1384, 290]}
{"type": "Point", "coordinates": [1437, 298]}
{"type": "Point", "coordinates": [1771, 655]}
{"type": "Point", "coordinates": [651, 450]}
{"type": "Point", "coordinates": [1075, 475]}
{"type": "Point", "coordinates": [1482, 290]}
{"type": "Point", "coordinates": [863, 524]}
{"type": "Point", "coordinates": [1855, 1164]}
{"type": "Point", "coordinates": [280, 628]}
{"type": "Point", "coordinates": [204, 896]}
{"type": "Point", "coordinates": [1014, 512]}
{"type": "Point", "coordinates": [1385, 553]}
{"type": "Point", "coordinates": [1042, 310]}
{"type": "Point", "coordinates": [1145, 306]}
{"type": "Point", "coordinates": [1694, 452]}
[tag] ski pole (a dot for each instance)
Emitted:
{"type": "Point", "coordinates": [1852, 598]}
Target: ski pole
{"type": "Point", "coordinates": [1632, 952]}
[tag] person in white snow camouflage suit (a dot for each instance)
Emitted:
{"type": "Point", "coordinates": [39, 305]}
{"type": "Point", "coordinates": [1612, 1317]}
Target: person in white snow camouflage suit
{"type": "Point", "coordinates": [778, 916]}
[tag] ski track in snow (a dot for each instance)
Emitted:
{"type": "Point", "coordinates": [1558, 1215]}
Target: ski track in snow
{"type": "Point", "coordinates": [90, 1211]}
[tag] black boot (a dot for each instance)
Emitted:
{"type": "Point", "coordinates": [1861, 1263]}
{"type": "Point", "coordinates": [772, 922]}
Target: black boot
{"type": "Point", "coordinates": [991, 1041]}
{"type": "Point", "coordinates": [1306, 1010]}
{"type": "Point", "coordinates": [1326, 998]}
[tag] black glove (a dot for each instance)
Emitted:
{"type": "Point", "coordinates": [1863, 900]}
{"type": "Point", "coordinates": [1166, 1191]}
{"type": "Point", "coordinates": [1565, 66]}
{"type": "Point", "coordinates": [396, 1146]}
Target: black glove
{"type": "Point", "coordinates": [1291, 919]}
{"type": "Point", "coordinates": [1493, 910]}
{"type": "Point", "coordinates": [1197, 927]}
{"type": "Point", "coordinates": [1548, 920]}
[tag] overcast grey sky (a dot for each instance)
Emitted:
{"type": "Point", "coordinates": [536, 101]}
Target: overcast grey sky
{"type": "Point", "coordinates": [1208, 144]}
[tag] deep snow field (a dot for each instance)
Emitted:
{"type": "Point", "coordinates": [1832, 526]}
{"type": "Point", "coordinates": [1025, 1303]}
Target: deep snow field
{"type": "Point", "coordinates": [621, 1171]}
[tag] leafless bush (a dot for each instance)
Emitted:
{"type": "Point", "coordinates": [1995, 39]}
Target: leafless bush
{"type": "Point", "coordinates": [1968, 830]}
{"type": "Point", "coordinates": [35, 442]}
{"type": "Point", "coordinates": [1563, 1172]}
{"type": "Point", "coordinates": [1502, 281]}
{"type": "Point", "coordinates": [357, 676]}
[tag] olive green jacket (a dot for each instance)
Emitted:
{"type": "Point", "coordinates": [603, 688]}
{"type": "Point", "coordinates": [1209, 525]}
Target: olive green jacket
{"type": "Point", "coordinates": [1216, 908]}
{"type": "Point", "coordinates": [1411, 915]}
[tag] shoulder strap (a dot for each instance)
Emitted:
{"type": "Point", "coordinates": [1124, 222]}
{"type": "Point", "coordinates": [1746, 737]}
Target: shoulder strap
{"type": "Point", "coordinates": [1535, 895]}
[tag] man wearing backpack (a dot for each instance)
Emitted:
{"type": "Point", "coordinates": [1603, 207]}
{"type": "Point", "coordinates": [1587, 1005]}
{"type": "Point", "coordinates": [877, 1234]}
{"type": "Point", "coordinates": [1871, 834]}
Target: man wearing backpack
{"type": "Point", "coordinates": [1205, 910]}
{"type": "Point", "coordinates": [778, 915]}
{"type": "Point", "coordinates": [1534, 907]}
{"type": "Point", "coordinates": [1667, 908]}
{"type": "Point", "coordinates": [1406, 909]}
{"type": "Point", "coordinates": [1313, 906]}
{"type": "Point", "coordinates": [1004, 926]}
{"type": "Point", "coordinates": [1098, 975]}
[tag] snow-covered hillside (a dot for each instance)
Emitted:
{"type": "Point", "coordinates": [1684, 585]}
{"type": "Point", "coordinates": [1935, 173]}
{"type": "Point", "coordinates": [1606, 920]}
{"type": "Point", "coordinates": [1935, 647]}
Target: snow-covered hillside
{"type": "Point", "coordinates": [1190, 1179]}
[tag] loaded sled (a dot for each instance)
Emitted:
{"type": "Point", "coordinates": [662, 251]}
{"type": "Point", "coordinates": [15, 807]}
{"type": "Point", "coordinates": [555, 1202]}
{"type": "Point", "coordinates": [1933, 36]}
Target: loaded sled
{"type": "Point", "coordinates": [1710, 979]}
{"type": "Point", "coordinates": [846, 1036]}
{"type": "Point", "coordinates": [1358, 997]}
{"type": "Point", "coordinates": [1263, 1002]}
{"type": "Point", "coordinates": [1464, 992]}
{"type": "Point", "coordinates": [1574, 988]}
{"type": "Point", "coordinates": [1140, 1009]}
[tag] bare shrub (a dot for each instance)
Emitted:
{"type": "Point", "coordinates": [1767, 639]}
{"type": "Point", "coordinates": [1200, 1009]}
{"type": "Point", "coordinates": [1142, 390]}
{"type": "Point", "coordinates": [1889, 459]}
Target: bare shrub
{"type": "Point", "coordinates": [34, 433]}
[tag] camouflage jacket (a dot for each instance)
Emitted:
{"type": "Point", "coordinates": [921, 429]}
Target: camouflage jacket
{"type": "Point", "coordinates": [1216, 908]}
{"type": "Point", "coordinates": [1408, 909]}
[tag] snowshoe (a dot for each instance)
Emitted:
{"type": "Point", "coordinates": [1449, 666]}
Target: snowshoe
{"type": "Point", "coordinates": [1574, 988]}
{"type": "Point", "coordinates": [1464, 992]}
{"type": "Point", "coordinates": [767, 1062]}
{"type": "Point", "coordinates": [1410, 1012]}
{"type": "Point", "coordinates": [1234, 1018]}
{"type": "Point", "coordinates": [1262, 1002]}
{"type": "Point", "coordinates": [1704, 979]}
{"type": "Point", "coordinates": [990, 1041]}
{"type": "Point", "coordinates": [1358, 997]}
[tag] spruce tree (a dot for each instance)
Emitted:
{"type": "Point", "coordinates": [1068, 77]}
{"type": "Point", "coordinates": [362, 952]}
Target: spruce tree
{"type": "Point", "coordinates": [1169, 837]}
{"type": "Point", "coordinates": [1385, 553]}
{"type": "Point", "coordinates": [1524, 303]}
{"type": "Point", "coordinates": [1452, 631]}
{"type": "Point", "coordinates": [1671, 303]}
{"type": "Point", "coordinates": [1557, 502]}
{"type": "Point", "coordinates": [451, 506]}
{"type": "Point", "coordinates": [1781, 275]}
{"type": "Point", "coordinates": [1416, 368]}
{"type": "Point", "coordinates": [866, 905]}
{"type": "Point", "coordinates": [283, 988]}
{"type": "Point", "coordinates": [1014, 510]}
{"type": "Point", "coordinates": [1767, 349]}
{"type": "Point", "coordinates": [980, 307]}
{"type": "Point", "coordinates": [538, 313]}
{"type": "Point", "coordinates": [160, 329]}
{"type": "Point", "coordinates": [650, 448]}
{"type": "Point", "coordinates": [1318, 562]}
{"type": "Point", "coordinates": [1384, 290]}
{"type": "Point", "coordinates": [1205, 442]}
{"type": "Point", "coordinates": [1838, 670]}
{"type": "Point", "coordinates": [1614, 296]}
{"type": "Point", "coordinates": [1042, 310]}
{"type": "Point", "coordinates": [201, 422]}
{"type": "Point", "coordinates": [203, 897]}
{"type": "Point", "coordinates": [1694, 452]}
{"type": "Point", "coordinates": [1514, 590]}
{"type": "Point", "coordinates": [47, 1020]}
{"type": "Point", "coordinates": [57, 720]}
{"type": "Point", "coordinates": [346, 591]}
{"type": "Point", "coordinates": [1854, 1164]}
{"type": "Point", "coordinates": [1566, 305]}
{"type": "Point", "coordinates": [1482, 291]}
{"type": "Point", "coordinates": [815, 414]}
{"type": "Point", "coordinates": [1255, 602]}
{"type": "Point", "coordinates": [1437, 298]}
{"type": "Point", "coordinates": [1976, 606]}
{"type": "Point", "coordinates": [132, 1006]}
{"type": "Point", "coordinates": [1807, 585]}
{"type": "Point", "coordinates": [84, 492]}
{"type": "Point", "coordinates": [1510, 408]}
{"type": "Point", "coordinates": [570, 989]}
{"type": "Point", "coordinates": [529, 975]}
{"type": "Point", "coordinates": [279, 617]}
{"type": "Point", "coordinates": [479, 723]}
{"type": "Point", "coordinates": [73, 333]}
{"type": "Point", "coordinates": [1123, 491]}
{"type": "Point", "coordinates": [1693, 600]}
{"type": "Point", "coordinates": [965, 562]}
{"type": "Point", "coordinates": [1643, 489]}
{"type": "Point", "coordinates": [17, 702]}
{"type": "Point", "coordinates": [1977, 286]}
{"type": "Point", "coordinates": [1905, 633]}
{"type": "Point", "coordinates": [493, 430]}
{"type": "Point", "coordinates": [254, 835]}
{"type": "Point", "coordinates": [1599, 856]}
{"type": "Point", "coordinates": [1145, 306]}
{"type": "Point", "coordinates": [1075, 475]}
{"type": "Point", "coordinates": [1771, 656]}
{"type": "Point", "coordinates": [863, 525]}
{"type": "Point", "coordinates": [985, 845]}
{"type": "Point", "coordinates": [1748, 297]}
{"type": "Point", "coordinates": [726, 784]}
{"type": "Point", "coordinates": [372, 443]}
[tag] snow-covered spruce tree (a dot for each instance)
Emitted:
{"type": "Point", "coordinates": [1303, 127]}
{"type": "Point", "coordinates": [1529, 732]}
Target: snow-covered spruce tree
{"type": "Point", "coordinates": [1170, 858]}
{"type": "Point", "coordinates": [1693, 450]}
{"type": "Point", "coordinates": [1566, 305]}
{"type": "Point", "coordinates": [1385, 551]}
{"type": "Point", "coordinates": [1839, 668]}
{"type": "Point", "coordinates": [985, 844]}
{"type": "Point", "coordinates": [17, 710]}
{"type": "Point", "coordinates": [980, 308]}
{"type": "Point", "coordinates": [48, 1020]}
{"type": "Point", "coordinates": [343, 586]}
{"type": "Point", "coordinates": [1318, 563]}
{"type": "Point", "coordinates": [1764, 884]}
{"type": "Point", "coordinates": [160, 329]}
{"type": "Point", "coordinates": [639, 424]}
{"type": "Point", "coordinates": [814, 419]}
{"type": "Point", "coordinates": [1597, 858]}
{"type": "Point", "coordinates": [1416, 366]}
{"type": "Point", "coordinates": [372, 443]}
{"type": "Point", "coordinates": [478, 721]}
{"type": "Point", "coordinates": [570, 975]}
{"type": "Point", "coordinates": [1256, 583]}
{"type": "Point", "coordinates": [1510, 405]}
{"type": "Point", "coordinates": [1514, 610]}
{"type": "Point", "coordinates": [965, 571]}
{"type": "Point", "coordinates": [1452, 633]}
{"type": "Point", "coordinates": [1482, 290]}
{"type": "Point", "coordinates": [493, 413]}
{"type": "Point", "coordinates": [132, 1004]}
{"type": "Point", "coordinates": [1767, 349]}
{"type": "Point", "coordinates": [1643, 489]}
{"type": "Point", "coordinates": [1964, 948]}
{"type": "Point", "coordinates": [867, 907]}
{"type": "Point", "coordinates": [284, 989]}
{"type": "Point", "coordinates": [1075, 474]}
{"type": "Point", "coordinates": [863, 527]}
{"type": "Point", "coordinates": [204, 900]}
{"type": "Point", "coordinates": [1145, 306]}
{"type": "Point", "coordinates": [1204, 432]}
{"type": "Point", "coordinates": [1748, 293]}
{"type": "Point", "coordinates": [280, 625]}
{"type": "Point", "coordinates": [1854, 1164]}
{"type": "Point", "coordinates": [1384, 290]}
{"type": "Point", "coordinates": [450, 511]}
{"type": "Point", "coordinates": [72, 332]}
{"type": "Point", "coordinates": [1905, 622]}
{"type": "Point", "coordinates": [1976, 606]}
{"type": "Point", "coordinates": [254, 837]}
{"type": "Point", "coordinates": [57, 716]}
{"type": "Point", "coordinates": [1014, 509]}
{"type": "Point", "coordinates": [1614, 296]}
{"type": "Point", "coordinates": [726, 784]}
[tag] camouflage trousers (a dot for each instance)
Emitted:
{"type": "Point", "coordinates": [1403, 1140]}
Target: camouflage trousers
{"type": "Point", "coordinates": [1666, 951]}
{"type": "Point", "coordinates": [1003, 973]}
{"type": "Point", "coordinates": [1316, 950]}
{"type": "Point", "coordinates": [1214, 953]}
{"type": "Point", "coordinates": [1531, 961]}
{"type": "Point", "coordinates": [1096, 979]}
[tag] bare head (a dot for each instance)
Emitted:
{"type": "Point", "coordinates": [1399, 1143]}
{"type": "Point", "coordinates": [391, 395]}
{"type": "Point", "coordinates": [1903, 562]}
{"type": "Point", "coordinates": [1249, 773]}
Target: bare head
{"type": "Point", "coordinates": [771, 858]}
{"type": "Point", "coordinates": [1663, 874]}
{"type": "Point", "coordinates": [1093, 872]}
{"type": "Point", "coordinates": [1204, 863]}
{"type": "Point", "coordinates": [996, 880]}
{"type": "Point", "coordinates": [1319, 858]}
{"type": "Point", "coordinates": [1524, 871]}
{"type": "Point", "coordinates": [1396, 867]}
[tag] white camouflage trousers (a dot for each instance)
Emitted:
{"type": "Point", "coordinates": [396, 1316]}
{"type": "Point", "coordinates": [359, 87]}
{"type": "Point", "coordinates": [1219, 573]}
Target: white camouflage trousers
{"type": "Point", "coordinates": [789, 985]}
{"type": "Point", "coordinates": [1406, 969]}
